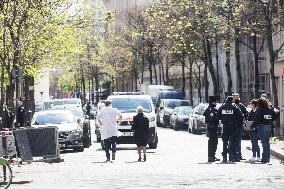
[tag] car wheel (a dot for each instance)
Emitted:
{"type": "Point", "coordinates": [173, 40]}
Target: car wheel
{"type": "Point", "coordinates": [79, 149]}
{"type": "Point", "coordinates": [155, 144]}
{"type": "Point", "coordinates": [198, 131]}
{"type": "Point", "coordinates": [176, 126]}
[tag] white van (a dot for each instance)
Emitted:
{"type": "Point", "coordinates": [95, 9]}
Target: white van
{"type": "Point", "coordinates": [126, 105]}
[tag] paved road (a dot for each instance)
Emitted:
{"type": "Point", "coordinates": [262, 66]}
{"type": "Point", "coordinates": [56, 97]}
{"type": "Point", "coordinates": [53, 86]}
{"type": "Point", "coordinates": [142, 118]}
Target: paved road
{"type": "Point", "coordinates": [179, 162]}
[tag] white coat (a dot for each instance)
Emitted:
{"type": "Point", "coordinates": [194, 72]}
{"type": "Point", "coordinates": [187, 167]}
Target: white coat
{"type": "Point", "coordinates": [108, 117]}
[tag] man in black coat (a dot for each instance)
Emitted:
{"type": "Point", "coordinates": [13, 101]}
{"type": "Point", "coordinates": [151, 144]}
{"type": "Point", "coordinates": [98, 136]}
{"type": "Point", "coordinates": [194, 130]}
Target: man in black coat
{"type": "Point", "coordinates": [212, 122]}
{"type": "Point", "coordinates": [240, 130]}
{"type": "Point", "coordinates": [231, 118]}
{"type": "Point", "coordinates": [141, 127]}
{"type": "Point", "coordinates": [21, 114]}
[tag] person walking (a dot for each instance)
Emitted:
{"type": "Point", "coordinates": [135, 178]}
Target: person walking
{"type": "Point", "coordinates": [212, 122]}
{"type": "Point", "coordinates": [109, 130]}
{"type": "Point", "coordinates": [239, 130]}
{"type": "Point", "coordinates": [21, 114]}
{"type": "Point", "coordinates": [264, 117]}
{"type": "Point", "coordinates": [140, 126]}
{"type": "Point", "coordinates": [231, 118]}
{"type": "Point", "coordinates": [254, 133]}
{"type": "Point", "coordinates": [88, 109]}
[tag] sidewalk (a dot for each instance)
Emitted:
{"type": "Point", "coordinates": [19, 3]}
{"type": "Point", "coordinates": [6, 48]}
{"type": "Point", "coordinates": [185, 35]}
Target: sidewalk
{"type": "Point", "coordinates": [277, 150]}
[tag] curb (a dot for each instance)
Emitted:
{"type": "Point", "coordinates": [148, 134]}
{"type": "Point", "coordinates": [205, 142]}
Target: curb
{"type": "Point", "coordinates": [277, 155]}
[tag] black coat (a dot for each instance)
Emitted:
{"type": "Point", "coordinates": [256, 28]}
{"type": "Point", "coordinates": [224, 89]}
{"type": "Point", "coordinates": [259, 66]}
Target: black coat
{"type": "Point", "coordinates": [140, 126]}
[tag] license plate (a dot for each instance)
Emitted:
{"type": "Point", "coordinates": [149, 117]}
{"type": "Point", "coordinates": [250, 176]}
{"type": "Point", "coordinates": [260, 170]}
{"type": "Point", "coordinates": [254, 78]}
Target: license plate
{"type": "Point", "coordinates": [127, 134]}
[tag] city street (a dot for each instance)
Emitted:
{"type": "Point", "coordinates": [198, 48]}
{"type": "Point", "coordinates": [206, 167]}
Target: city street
{"type": "Point", "coordinates": [180, 161]}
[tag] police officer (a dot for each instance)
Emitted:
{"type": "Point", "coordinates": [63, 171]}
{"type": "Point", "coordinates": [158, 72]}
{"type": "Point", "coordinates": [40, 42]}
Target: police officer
{"type": "Point", "coordinates": [212, 122]}
{"type": "Point", "coordinates": [231, 117]}
{"type": "Point", "coordinates": [264, 116]}
{"type": "Point", "coordinates": [239, 129]}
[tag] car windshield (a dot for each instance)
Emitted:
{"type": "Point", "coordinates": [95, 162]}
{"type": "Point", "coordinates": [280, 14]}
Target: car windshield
{"type": "Point", "coordinates": [63, 102]}
{"type": "Point", "coordinates": [54, 118]}
{"type": "Point", "coordinates": [77, 112]}
{"type": "Point", "coordinates": [172, 104]}
{"type": "Point", "coordinates": [127, 105]}
{"type": "Point", "coordinates": [184, 111]}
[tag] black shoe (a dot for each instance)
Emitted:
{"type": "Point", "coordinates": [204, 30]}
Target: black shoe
{"type": "Point", "coordinates": [216, 159]}
{"type": "Point", "coordinates": [108, 159]}
{"type": "Point", "coordinates": [241, 158]}
{"type": "Point", "coordinates": [224, 160]}
{"type": "Point", "coordinates": [211, 159]}
{"type": "Point", "coordinates": [263, 161]}
{"type": "Point", "coordinates": [139, 159]}
{"type": "Point", "coordinates": [235, 160]}
{"type": "Point", "coordinates": [144, 157]}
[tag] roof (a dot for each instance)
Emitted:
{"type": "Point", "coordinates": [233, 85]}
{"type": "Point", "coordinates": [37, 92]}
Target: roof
{"type": "Point", "coordinates": [53, 111]}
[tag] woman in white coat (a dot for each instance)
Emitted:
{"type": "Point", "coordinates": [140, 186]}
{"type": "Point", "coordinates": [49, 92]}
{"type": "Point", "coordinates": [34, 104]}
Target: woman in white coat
{"type": "Point", "coordinates": [108, 129]}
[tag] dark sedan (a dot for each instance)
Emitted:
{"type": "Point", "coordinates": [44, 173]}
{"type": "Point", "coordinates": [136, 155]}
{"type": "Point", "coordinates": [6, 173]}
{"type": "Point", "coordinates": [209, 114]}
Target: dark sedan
{"type": "Point", "coordinates": [179, 119]}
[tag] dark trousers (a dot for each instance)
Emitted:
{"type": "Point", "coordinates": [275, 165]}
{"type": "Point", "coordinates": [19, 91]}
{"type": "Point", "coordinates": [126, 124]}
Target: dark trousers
{"type": "Point", "coordinates": [110, 144]}
{"type": "Point", "coordinates": [264, 135]}
{"type": "Point", "coordinates": [254, 143]}
{"type": "Point", "coordinates": [239, 134]}
{"type": "Point", "coordinates": [229, 136]}
{"type": "Point", "coordinates": [212, 141]}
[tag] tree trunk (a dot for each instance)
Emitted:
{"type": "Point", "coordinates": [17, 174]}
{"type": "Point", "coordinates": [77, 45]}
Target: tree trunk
{"type": "Point", "coordinates": [163, 73]}
{"type": "Point", "coordinates": [183, 74]}
{"type": "Point", "coordinates": [211, 67]}
{"type": "Point", "coordinates": [199, 84]}
{"type": "Point", "coordinates": [167, 75]}
{"type": "Point", "coordinates": [272, 56]}
{"type": "Point", "coordinates": [155, 74]}
{"type": "Point", "coordinates": [143, 67]}
{"type": "Point", "coordinates": [190, 82]}
{"type": "Point", "coordinates": [256, 69]}
{"type": "Point", "coordinates": [151, 72]}
{"type": "Point", "coordinates": [217, 65]}
{"type": "Point", "coordinates": [97, 84]}
{"type": "Point", "coordinates": [228, 70]}
{"type": "Point", "coordinates": [238, 62]}
{"type": "Point", "coordinates": [29, 97]}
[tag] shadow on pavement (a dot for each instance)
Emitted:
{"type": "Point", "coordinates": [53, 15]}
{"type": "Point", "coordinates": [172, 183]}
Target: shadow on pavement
{"type": "Point", "coordinates": [67, 151]}
{"type": "Point", "coordinates": [229, 163]}
{"type": "Point", "coordinates": [134, 161]}
{"type": "Point", "coordinates": [205, 163]}
{"type": "Point", "coordinates": [101, 162]}
{"type": "Point", "coordinates": [21, 182]}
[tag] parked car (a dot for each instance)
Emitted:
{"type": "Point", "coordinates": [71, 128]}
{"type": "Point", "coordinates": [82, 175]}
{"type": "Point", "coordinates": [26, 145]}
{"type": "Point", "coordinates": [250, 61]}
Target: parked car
{"type": "Point", "coordinates": [93, 112]}
{"type": "Point", "coordinates": [71, 135]}
{"type": "Point", "coordinates": [81, 119]}
{"type": "Point", "coordinates": [180, 116]}
{"type": "Point", "coordinates": [39, 106]}
{"type": "Point", "coordinates": [67, 102]}
{"type": "Point", "coordinates": [167, 107]}
{"type": "Point", "coordinates": [197, 123]}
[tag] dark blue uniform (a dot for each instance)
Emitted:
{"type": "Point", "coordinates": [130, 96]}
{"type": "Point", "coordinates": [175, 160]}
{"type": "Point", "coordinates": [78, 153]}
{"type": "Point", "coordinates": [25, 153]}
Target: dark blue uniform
{"type": "Point", "coordinates": [263, 121]}
{"type": "Point", "coordinates": [212, 121]}
{"type": "Point", "coordinates": [231, 118]}
{"type": "Point", "coordinates": [239, 131]}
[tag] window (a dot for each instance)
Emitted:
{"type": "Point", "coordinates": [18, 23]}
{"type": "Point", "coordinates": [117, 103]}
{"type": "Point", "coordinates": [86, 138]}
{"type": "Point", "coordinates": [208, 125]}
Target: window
{"type": "Point", "coordinates": [262, 82]}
